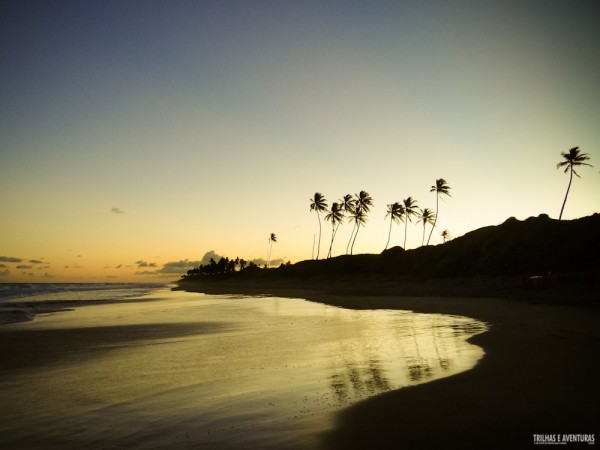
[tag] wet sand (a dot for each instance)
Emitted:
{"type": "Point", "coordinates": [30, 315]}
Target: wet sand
{"type": "Point", "coordinates": [539, 376]}
{"type": "Point", "coordinates": [189, 371]}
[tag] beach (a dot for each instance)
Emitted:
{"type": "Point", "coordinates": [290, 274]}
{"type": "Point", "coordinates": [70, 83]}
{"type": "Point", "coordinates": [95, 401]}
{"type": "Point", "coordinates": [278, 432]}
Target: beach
{"type": "Point", "coordinates": [173, 369]}
{"type": "Point", "coordinates": [538, 376]}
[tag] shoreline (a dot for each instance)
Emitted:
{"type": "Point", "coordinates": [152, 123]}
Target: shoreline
{"type": "Point", "coordinates": [538, 375]}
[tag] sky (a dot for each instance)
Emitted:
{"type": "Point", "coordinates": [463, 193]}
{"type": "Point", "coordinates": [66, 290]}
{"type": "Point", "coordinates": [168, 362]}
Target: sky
{"type": "Point", "coordinates": [139, 138]}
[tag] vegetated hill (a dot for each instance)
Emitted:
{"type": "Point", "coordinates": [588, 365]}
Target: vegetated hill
{"type": "Point", "coordinates": [534, 246]}
{"type": "Point", "coordinates": [538, 258]}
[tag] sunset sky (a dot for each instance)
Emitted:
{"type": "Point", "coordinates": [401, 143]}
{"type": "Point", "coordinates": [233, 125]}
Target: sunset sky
{"type": "Point", "coordinates": [136, 136]}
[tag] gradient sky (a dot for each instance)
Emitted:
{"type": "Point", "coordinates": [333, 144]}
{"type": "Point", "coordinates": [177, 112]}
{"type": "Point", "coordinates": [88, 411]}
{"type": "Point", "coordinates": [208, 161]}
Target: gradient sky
{"type": "Point", "coordinates": [136, 135]}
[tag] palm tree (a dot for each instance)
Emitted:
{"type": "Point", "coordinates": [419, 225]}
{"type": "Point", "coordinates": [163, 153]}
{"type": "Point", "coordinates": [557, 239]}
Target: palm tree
{"type": "Point", "coordinates": [426, 216]}
{"type": "Point", "coordinates": [572, 159]}
{"type": "Point", "coordinates": [410, 209]}
{"type": "Point", "coordinates": [395, 211]}
{"type": "Point", "coordinates": [361, 206]}
{"type": "Point", "coordinates": [347, 204]}
{"type": "Point", "coordinates": [336, 216]}
{"type": "Point", "coordinates": [445, 236]}
{"type": "Point", "coordinates": [272, 239]}
{"type": "Point", "coordinates": [440, 187]}
{"type": "Point", "coordinates": [360, 219]}
{"type": "Point", "coordinates": [318, 204]}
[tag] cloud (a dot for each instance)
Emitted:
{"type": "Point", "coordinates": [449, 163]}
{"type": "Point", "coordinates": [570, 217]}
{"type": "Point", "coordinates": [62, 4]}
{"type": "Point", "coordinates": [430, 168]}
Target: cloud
{"type": "Point", "coordinates": [178, 267]}
{"type": "Point", "coordinates": [24, 266]}
{"type": "Point", "coordinates": [4, 273]}
{"type": "Point", "coordinates": [145, 264]}
{"type": "Point", "coordinates": [2, 265]}
{"type": "Point", "coordinates": [117, 211]}
{"type": "Point", "coordinates": [47, 275]}
{"type": "Point", "coordinates": [36, 261]}
{"type": "Point", "coordinates": [10, 259]}
{"type": "Point", "coordinates": [171, 268]}
{"type": "Point", "coordinates": [208, 255]}
{"type": "Point", "coordinates": [119, 266]}
{"type": "Point", "coordinates": [273, 263]}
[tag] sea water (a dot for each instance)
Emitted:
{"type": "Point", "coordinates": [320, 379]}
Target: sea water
{"type": "Point", "coordinates": [184, 370]}
{"type": "Point", "coordinates": [67, 292]}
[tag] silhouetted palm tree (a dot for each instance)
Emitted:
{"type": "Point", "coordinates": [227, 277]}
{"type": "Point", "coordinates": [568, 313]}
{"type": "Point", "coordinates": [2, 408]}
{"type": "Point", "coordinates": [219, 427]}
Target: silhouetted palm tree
{"type": "Point", "coordinates": [426, 216]}
{"type": "Point", "coordinates": [347, 204]}
{"type": "Point", "coordinates": [571, 159]}
{"type": "Point", "coordinates": [445, 236]}
{"type": "Point", "coordinates": [318, 204]}
{"type": "Point", "coordinates": [336, 216]}
{"type": "Point", "coordinates": [410, 209]}
{"type": "Point", "coordinates": [272, 239]}
{"type": "Point", "coordinates": [440, 187]}
{"type": "Point", "coordinates": [362, 205]}
{"type": "Point", "coordinates": [395, 211]}
{"type": "Point", "coordinates": [360, 219]}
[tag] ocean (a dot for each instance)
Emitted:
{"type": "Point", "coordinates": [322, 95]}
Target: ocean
{"type": "Point", "coordinates": [67, 292]}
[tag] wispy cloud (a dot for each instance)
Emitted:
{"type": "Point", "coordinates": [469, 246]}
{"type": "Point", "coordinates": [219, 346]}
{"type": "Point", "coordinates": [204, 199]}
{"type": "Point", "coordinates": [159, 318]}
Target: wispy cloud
{"type": "Point", "coordinates": [24, 266]}
{"type": "Point", "coordinates": [178, 267]}
{"type": "Point", "coordinates": [36, 261]}
{"type": "Point", "coordinates": [4, 273]}
{"type": "Point", "coordinates": [171, 268]}
{"type": "Point", "coordinates": [10, 259]}
{"type": "Point", "coordinates": [117, 211]}
{"type": "Point", "coordinates": [145, 264]}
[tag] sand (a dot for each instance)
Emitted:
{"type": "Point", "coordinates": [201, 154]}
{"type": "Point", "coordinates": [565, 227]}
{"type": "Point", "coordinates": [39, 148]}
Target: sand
{"type": "Point", "coordinates": [539, 376]}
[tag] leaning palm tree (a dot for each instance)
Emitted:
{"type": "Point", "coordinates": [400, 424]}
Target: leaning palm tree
{"type": "Point", "coordinates": [440, 187]}
{"type": "Point", "coordinates": [318, 204]}
{"type": "Point", "coordinates": [445, 236]}
{"type": "Point", "coordinates": [347, 203]}
{"type": "Point", "coordinates": [362, 202]}
{"type": "Point", "coordinates": [272, 238]}
{"type": "Point", "coordinates": [336, 216]}
{"type": "Point", "coordinates": [410, 209]}
{"type": "Point", "coordinates": [360, 219]}
{"type": "Point", "coordinates": [426, 216]}
{"type": "Point", "coordinates": [571, 159]}
{"type": "Point", "coordinates": [395, 211]}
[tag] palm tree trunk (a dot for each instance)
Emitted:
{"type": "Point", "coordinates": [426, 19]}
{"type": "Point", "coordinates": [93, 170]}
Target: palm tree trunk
{"type": "Point", "coordinates": [351, 235]}
{"type": "Point", "coordinates": [332, 236]}
{"type": "Point", "coordinates": [405, 232]}
{"type": "Point", "coordinates": [437, 201]}
{"type": "Point", "coordinates": [423, 240]}
{"type": "Point", "coordinates": [356, 234]}
{"type": "Point", "coordinates": [389, 235]}
{"type": "Point", "coordinates": [566, 195]}
{"type": "Point", "coordinates": [319, 246]}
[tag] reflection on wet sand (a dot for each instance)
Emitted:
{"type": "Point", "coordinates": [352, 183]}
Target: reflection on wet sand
{"type": "Point", "coordinates": [429, 346]}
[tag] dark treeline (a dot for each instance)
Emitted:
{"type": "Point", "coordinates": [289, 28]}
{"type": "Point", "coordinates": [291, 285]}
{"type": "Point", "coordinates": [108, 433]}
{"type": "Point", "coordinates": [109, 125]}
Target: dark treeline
{"type": "Point", "coordinates": [225, 265]}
